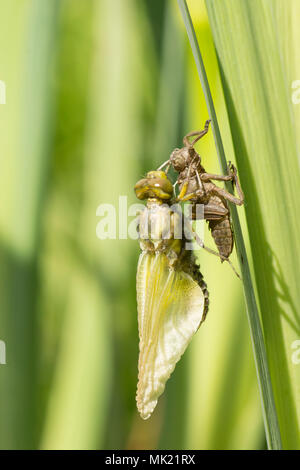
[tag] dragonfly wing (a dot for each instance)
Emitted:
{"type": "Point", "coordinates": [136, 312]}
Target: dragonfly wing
{"type": "Point", "coordinates": [170, 310]}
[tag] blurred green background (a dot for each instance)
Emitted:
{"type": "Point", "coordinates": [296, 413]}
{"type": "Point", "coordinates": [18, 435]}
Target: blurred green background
{"type": "Point", "coordinates": [98, 93]}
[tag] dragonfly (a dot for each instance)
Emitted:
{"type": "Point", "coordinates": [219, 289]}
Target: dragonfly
{"type": "Point", "coordinates": [196, 186]}
{"type": "Point", "coordinates": [172, 296]}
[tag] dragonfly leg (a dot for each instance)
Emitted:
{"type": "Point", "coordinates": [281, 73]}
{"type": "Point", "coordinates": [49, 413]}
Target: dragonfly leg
{"type": "Point", "coordinates": [182, 196]}
{"type": "Point", "coordinates": [239, 201]}
{"type": "Point", "coordinates": [199, 134]}
{"type": "Point", "coordinates": [199, 180]}
{"type": "Point", "coordinates": [209, 250]}
{"type": "Point", "coordinates": [236, 182]}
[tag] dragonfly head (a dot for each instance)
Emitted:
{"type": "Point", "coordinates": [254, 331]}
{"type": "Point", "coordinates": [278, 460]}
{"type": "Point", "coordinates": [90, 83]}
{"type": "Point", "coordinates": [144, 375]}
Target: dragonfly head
{"type": "Point", "coordinates": [156, 185]}
{"type": "Point", "coordinates": [181, 158]}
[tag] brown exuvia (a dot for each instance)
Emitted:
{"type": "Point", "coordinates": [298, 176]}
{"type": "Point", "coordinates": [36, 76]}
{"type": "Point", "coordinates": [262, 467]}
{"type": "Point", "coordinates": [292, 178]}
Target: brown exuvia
{"type": "Point", "coordinates": [196, 186]}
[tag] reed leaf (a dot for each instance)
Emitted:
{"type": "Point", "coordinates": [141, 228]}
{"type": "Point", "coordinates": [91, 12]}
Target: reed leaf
{"type": "Point", "coordinates": [255, 76]}
{"type": "Point", "coordinates": [218, 368]}
{"type": "Point", "coordinates": [268, 407]}
{"type": "Point", "coordinates": [27, 34]}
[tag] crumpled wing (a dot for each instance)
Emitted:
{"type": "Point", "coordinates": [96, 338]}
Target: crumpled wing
{"type": "Point", "coordinates": [170, 310]}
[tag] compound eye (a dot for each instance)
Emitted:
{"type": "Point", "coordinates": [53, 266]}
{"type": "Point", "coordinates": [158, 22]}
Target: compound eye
{"type": "Point", "coordinates": [155, 185]}
{"type": "Point", "coordinates": [179, 164]}
{"type": "Point", "coordinates": [177, 160]}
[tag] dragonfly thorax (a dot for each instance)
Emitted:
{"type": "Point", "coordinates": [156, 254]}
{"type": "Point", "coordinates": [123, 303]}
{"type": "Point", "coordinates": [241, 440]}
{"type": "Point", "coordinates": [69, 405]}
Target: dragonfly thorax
{"type": "Point", "coordinates": [160, 229]}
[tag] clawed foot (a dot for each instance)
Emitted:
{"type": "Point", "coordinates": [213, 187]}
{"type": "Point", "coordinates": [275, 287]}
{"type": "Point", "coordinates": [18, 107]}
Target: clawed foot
{"type": "Point", "coordinates": [232, 171]}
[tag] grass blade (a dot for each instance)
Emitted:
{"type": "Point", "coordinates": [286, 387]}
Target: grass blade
{"type": "Point", "coordinates": [28, 29]}
{"type": "Point", "coordinates": [268, 404]}
{"type": "Point", "coordinates": [254, 61]}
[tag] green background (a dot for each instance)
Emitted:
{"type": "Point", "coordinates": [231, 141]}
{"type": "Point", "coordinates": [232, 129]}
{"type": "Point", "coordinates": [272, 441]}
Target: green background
{"type": "Point", "coordinates": [98, 93]}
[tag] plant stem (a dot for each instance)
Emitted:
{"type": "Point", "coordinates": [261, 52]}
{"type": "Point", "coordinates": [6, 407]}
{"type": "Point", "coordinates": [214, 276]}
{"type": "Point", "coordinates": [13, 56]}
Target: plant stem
{"type": "Point", "coordinates": [260, 357]}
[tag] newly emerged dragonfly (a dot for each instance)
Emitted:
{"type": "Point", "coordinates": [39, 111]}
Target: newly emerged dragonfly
{"type": "Point", "coordinates": [172, 296]}
{"type": "Point", "coordinates": [196, 186]}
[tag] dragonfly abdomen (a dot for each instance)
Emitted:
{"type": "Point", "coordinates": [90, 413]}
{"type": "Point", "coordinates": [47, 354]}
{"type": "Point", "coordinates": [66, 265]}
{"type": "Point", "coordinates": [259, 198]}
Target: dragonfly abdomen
{"type": "Point", "coordinates": [222, 235]}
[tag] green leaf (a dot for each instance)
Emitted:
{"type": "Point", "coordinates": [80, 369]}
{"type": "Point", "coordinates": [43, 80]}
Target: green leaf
{"type": "Point", "coordinates": [27, 33]}
{"type": "Point", "coordinates": [256, 68]}
{"type": "Point", "coordinates": [263, 375]}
